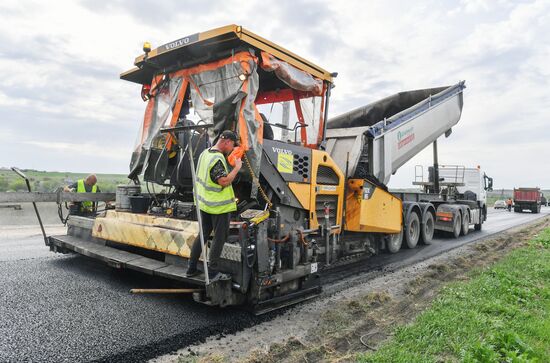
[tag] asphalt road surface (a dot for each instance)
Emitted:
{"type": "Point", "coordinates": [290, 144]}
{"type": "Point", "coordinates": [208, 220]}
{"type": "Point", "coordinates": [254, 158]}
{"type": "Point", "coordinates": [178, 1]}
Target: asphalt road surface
{"type": "Point", "coordinates": [68, 308]}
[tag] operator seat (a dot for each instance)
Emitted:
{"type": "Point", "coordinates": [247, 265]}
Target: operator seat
{"type": "Point", "coordinates": [182, 175]}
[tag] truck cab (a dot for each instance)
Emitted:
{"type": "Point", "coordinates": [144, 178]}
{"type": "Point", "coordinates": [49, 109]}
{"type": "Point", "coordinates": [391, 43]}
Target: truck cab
{"type": "Point", "coordinates": [475, 184]}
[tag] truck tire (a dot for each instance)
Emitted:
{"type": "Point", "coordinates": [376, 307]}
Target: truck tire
{"type": "Point", "coordinates": [465, 224]}
{"type": "Point", "coordinates": [457, 226]}
{"type": "Point", "coordinates": [394, 242]}
{"type": "Point", "coordinates": [428, 229]}
{"type": "Point", "coordinates": [517, 209]}
{"type": "Point", "coordinates": [412, 230]}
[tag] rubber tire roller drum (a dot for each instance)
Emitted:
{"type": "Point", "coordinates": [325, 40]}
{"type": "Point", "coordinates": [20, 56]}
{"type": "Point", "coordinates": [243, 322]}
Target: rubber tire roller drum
{"type": "Point", "coordinates": [412, 233]}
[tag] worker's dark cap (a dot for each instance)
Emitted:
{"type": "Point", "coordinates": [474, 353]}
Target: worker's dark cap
{"type": "Point", "coordinates": [229, 135]}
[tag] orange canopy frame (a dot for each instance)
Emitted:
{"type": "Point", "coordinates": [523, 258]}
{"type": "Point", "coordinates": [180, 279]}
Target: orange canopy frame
{"type": "Point", "coordinates": [243, 58]}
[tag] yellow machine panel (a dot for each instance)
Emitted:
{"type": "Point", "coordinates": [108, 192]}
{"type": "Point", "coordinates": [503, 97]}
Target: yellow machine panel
{"type": "Point", "coordinates": [327, 186]}
{"type": "Point", "coordinates": [168, 235]}
{"type": "Point", "coordinates": [371, 209]}
{"type": "Point", "coordinates": [302, 192]}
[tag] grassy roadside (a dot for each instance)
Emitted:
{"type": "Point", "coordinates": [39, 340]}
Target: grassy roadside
{"type": "Point", "coordinates": [485, 302]}
{"type": "Point", "coordinates": [501, 315]}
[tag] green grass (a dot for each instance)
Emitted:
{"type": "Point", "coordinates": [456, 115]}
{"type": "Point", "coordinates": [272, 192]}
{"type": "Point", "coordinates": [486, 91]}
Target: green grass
{"type": "Point", "coordinates": [48, 181]}
{"type": "Point", "coordinates": [501, 315]}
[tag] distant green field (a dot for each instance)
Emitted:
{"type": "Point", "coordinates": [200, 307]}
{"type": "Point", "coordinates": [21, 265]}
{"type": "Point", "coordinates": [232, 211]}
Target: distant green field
{"type": "Point", "coordinates": [49, 181]}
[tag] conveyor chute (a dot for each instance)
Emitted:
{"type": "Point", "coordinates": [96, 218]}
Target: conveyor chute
{"type": "Point", "coordinates": [378, 138]}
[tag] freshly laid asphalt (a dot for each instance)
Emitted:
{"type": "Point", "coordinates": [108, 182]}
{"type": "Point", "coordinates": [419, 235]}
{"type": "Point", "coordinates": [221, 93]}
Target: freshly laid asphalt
{"type": "Point", "coordinates": [68, 308]}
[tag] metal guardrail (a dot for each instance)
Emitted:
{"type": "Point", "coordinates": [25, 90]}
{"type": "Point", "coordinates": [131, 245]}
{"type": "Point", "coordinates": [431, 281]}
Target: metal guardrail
{"type": "Point", "coordinates": [40, 197]}
{"type": "Point", "coordinates": [59, 197]}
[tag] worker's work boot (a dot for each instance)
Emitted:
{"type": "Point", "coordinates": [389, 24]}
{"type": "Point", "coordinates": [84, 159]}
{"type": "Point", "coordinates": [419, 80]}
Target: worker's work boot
{"type": "Point", "coordinates": [192, 271]}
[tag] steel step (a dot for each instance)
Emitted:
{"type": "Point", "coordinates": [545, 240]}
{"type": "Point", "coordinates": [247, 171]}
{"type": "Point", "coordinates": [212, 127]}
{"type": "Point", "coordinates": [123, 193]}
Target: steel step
{"type": "Point", "coordinates": [124, 259]}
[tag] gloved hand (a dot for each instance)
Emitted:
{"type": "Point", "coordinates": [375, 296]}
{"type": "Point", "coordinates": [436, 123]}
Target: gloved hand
{"type": "Point", "coordinates": [235, 155]}
{"type": "Point", "coordinates": [238, 163]}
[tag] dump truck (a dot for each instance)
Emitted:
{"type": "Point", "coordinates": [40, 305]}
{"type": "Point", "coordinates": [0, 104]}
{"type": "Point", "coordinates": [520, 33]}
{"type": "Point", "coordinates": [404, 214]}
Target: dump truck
{"type": "Point", "coordinates": [312, 193]}
{"type": "Point", "coordinates": [527, 198]}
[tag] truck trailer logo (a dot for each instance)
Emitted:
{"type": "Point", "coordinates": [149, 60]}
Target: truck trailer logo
{"type": "Point", "coordinates": [405, 137]}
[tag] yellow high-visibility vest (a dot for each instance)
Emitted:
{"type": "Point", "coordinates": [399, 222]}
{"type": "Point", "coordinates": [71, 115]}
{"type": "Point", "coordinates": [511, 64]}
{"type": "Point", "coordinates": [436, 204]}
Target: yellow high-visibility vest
{"type": "Point", "coordinates": [212, 197]}
{"type": "Point", "coordinates": [86, 206]}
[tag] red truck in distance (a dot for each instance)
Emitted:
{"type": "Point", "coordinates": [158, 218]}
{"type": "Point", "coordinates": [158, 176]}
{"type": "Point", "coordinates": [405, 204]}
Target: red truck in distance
{"type": "Point", "coordinates": [527, 198]}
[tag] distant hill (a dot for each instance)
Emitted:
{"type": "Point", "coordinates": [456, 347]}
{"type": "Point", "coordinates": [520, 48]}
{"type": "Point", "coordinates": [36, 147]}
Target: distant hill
{"type": "Point", "coordinates": [49, 181]}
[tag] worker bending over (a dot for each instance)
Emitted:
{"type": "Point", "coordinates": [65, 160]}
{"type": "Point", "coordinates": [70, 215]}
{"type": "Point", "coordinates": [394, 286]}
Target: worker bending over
{"type": "Point", "coordinates": [215, 197]}
{"type": "Point", "coordinates": [87, 185]}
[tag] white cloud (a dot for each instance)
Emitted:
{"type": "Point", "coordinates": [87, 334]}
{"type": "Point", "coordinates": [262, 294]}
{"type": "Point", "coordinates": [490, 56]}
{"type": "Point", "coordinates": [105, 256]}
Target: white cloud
{"type": "Point", "coordinates": [87, 149]}
{"type": "Point", "coordinates": [59, 65]}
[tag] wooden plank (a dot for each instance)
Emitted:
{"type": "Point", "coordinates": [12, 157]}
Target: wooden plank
{"type": "Point", "coordinates": [164, 291]}
{"type": "Point", "coordinates": [39, 197]}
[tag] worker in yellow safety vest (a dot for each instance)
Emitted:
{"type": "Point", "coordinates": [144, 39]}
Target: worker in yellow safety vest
{"type": "Point", "coordinates": [215, 197]}
{"type": "Point", "coordinates": [87, 185]}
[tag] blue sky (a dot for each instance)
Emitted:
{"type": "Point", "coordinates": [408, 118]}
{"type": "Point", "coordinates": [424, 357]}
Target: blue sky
{"type": "Point", "coordinates": [64, 108]}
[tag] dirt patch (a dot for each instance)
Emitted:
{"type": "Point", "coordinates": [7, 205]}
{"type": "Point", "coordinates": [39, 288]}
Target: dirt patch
{"type": "Point", "coordinates": [337, 327]}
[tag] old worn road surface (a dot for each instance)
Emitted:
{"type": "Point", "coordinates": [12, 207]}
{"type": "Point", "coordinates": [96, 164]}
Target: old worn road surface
{"type": "Point", "coordinates": [68, 308]}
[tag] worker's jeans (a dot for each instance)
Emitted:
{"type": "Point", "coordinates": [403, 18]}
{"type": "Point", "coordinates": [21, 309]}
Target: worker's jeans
{"type": "Point", "coordinates": [220, 224]}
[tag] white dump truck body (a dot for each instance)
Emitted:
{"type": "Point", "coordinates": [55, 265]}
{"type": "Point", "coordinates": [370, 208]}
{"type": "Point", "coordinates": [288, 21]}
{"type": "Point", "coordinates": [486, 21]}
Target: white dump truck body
{"type": "Point", "coordinates": [383, 146]}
